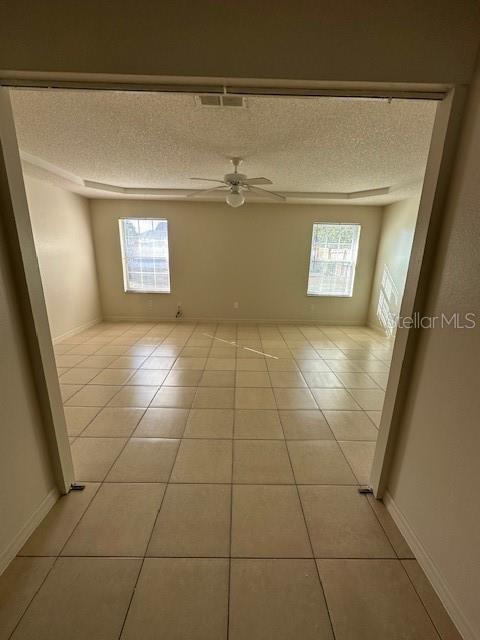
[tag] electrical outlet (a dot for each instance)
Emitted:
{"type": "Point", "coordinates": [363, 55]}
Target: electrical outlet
{"type": "Point", "coordinates": [236, 305]}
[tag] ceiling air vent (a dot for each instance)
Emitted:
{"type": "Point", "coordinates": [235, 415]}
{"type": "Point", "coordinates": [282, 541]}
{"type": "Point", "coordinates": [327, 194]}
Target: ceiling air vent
{"type": "Point", "coordinates": [209, 101]}
{"type": "Point", "coordinates": [221, 101]}
{"type": "Point", "coordinates": [233, 101]}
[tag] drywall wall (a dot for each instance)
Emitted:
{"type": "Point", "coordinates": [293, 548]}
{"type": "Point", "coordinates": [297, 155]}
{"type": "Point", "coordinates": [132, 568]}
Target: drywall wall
{"type": "Point", "coordinates": [257, 255]}
{"type": "Point", "coordinates": [396, 237]}
{"type": "Point", "coordinates": [63, 241]}
{"type": "Point", "coordinates": [435, 482]}
{"type": "Point", "coordinates": [395, 41]}
{"type": "Point", "coordinates": [27, 484]}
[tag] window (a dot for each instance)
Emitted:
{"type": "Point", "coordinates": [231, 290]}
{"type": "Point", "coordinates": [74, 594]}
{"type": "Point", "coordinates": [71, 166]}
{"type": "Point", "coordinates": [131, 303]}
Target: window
{"type": "Point", "coordinates": [145, 255]}
{"type": "Point", "coordinates": [332, 260]}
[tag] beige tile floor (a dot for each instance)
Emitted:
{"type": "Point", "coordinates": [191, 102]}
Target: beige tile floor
{"type": "Point", "coordinates": [220, 493]}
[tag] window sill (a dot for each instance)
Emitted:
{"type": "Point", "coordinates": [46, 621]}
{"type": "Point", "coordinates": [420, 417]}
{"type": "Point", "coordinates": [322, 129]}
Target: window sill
{"type": "Point", "coordinates": [149, 291]}
{"type": "Point", "coordinates": [329, 295]}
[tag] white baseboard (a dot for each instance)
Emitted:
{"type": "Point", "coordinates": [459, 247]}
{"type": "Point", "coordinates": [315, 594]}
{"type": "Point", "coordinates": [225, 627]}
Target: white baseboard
{"type": "Point", "coordinates": [452, 606]}
{"type": "Point", "coordinates": [231, 320]}
{"type": "Point", "coordinates": [76, 330]}
{"type": "Point", "coordinates": [8, 554]}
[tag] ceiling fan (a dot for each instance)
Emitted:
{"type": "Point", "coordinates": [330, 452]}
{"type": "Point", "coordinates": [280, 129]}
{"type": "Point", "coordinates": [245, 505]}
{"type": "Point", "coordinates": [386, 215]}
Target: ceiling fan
{"type": "Point", "coordinates": [237, 185]}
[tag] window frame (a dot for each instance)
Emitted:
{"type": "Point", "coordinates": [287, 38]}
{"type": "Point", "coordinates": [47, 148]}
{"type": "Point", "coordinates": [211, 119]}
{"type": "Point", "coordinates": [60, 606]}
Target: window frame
{"type": "Point", "coordinates": [126, 289]}
{"type": "Point", "coordinates": [330, 224]}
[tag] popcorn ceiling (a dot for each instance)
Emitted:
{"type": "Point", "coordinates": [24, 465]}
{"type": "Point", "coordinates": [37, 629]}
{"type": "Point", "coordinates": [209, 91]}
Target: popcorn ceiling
{"type": "Point", "coordinates": [159, 140]}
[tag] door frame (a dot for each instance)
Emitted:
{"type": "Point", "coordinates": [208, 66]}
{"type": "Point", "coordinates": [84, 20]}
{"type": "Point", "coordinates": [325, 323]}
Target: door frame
{"type": "Point", "coordinates": [28, 285]}
{"type": "Point", "coordinates": [451, 103]}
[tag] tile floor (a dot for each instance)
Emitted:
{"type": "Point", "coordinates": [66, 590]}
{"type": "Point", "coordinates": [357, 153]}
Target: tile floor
{"type": "Point", "coordinates": [220, 493]}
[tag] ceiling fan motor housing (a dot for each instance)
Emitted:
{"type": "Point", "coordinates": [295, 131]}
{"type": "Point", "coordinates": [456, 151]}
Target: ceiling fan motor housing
{"type": "Point", "coordinates": [234, 178]}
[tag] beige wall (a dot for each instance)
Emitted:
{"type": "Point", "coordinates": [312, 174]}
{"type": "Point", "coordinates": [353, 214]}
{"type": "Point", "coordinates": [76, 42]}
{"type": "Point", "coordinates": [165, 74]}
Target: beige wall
{"type": "Point", "coordinates": [26, 479]}
{"type": "Point", "coordinates": [257, 255]}
{"type": "Point", "coordinates": [396, 237]}
{"type": "Point", "coordinates": [435, 480]}
{"type": "Point", "coordinates": [63, 241]}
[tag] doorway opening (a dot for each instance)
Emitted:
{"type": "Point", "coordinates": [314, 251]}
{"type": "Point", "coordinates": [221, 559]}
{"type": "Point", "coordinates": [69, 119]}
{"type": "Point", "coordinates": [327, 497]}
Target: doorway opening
{"type": "Point", "coordinates": [337, 163]}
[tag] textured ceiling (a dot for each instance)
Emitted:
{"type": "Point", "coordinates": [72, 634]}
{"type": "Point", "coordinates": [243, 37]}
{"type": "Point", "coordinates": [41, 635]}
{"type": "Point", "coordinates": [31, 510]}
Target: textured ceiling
{"type": "Point", "coordinates": [155, 140]}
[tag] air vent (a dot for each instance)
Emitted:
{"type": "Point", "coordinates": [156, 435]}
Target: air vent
{"type": "Point", "coordinates": [210, 101]}
{"type": "Point", "coordinates": [233, 101]}
{"type": "Point", "coordinates": [222, 101]}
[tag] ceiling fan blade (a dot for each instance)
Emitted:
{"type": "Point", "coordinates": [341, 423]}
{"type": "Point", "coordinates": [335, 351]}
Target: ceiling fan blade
{"type": "Point", "coordinates": [208, 180]}
{"type": "Point", "coordinates": [265, 192]}
{"type": "Point", "coordinates": [257, 181]}
{"type": "Point", "coordinates": [202, 192]}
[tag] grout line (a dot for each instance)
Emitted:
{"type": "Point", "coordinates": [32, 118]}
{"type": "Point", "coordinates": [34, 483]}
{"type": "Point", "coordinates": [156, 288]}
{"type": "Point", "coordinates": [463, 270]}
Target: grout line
{"type": "Point", "coordinates": [231, 504]}
{"type": "Point", "coordinates": [34, 594]}
{"type": "Point", "coordinates": [152, 530]}
{"type": "Point", "coordinates": [420, 597]}
{"type": "Point", "coordinates": [306, 525]}
{"type": "Point", "coordinates": [87, 425]}
{"type": "Point", "coordinates": [347, 460]}
{"type": "Point", "coordinates": [224, 557]}
{"type": "Point", "coordinates": [382, 527]}
{"type": "Point", "coordinates": [252, 439]}
{"type": "Point", "coordinates": [243, 484]}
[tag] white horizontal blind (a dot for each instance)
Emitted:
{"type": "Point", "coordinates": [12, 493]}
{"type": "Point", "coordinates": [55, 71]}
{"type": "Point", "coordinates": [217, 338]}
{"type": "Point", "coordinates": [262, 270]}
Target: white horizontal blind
{"type": "Point", "coordinates": [333, 259]}
{"type": "Point", "coordinates": [145, 255]}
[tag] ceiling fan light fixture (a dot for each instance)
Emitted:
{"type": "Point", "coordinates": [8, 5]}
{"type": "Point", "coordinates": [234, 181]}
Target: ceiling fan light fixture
{"type": "Point", "coordinates": [237, 183]}
{"type": "Point", "coordinates": [235, 198]}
